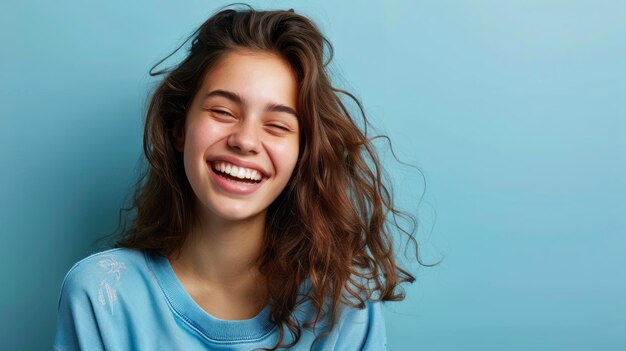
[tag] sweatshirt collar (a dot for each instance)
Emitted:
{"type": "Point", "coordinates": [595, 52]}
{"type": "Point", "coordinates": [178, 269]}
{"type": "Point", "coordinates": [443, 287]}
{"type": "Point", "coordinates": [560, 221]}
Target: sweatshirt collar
{"type": "Point", "coordinates": [212, 328]}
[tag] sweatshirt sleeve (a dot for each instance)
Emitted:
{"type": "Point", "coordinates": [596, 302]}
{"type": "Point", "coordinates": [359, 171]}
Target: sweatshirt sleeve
{"type": "Point", "coordinates": [363, 329]}
{"type": "Point", "coordinates": [77, 325]}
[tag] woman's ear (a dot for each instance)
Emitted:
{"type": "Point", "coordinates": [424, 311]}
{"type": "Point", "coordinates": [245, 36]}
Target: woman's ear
{"type": "Point", "coordinates": [178, 135]}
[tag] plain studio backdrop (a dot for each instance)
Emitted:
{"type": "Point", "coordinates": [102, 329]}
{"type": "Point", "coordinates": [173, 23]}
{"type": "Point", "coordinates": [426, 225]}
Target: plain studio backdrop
{"type": "Point", "coordinates": [513, 110]}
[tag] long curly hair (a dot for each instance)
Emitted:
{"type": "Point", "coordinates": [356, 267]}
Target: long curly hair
{"type": "Point", "coordinates": [332, 222]}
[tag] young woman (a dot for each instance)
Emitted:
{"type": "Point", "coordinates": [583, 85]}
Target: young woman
{"type": "Point", "coordinates": [261, 220]}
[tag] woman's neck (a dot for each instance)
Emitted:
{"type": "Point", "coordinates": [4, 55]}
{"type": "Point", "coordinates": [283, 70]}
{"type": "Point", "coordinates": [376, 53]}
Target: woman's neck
{"type": "Point", "coordinates": [221, 252]}
{"type": "Point", "coordinates": [217, 266]}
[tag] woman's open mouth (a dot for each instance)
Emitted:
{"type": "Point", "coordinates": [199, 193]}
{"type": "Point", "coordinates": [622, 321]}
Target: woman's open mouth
{"type": "Point", "coordinates": [234, 179]}
{"type": "Point", "coordinates": [235, 173]}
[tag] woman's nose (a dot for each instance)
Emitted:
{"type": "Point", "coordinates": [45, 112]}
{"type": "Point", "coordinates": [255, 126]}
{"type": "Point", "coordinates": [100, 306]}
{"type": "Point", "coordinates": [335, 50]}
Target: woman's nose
{"type": "Point", "coordinates": [245, 139]}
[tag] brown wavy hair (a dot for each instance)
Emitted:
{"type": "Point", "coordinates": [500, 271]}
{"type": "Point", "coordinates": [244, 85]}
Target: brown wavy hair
{"type": "Point", "coordinates": [332, 222]}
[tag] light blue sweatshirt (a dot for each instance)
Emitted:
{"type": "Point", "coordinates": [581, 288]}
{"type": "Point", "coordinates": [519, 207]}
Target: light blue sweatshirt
{"type": "Point", "coordinates": [125, 299]}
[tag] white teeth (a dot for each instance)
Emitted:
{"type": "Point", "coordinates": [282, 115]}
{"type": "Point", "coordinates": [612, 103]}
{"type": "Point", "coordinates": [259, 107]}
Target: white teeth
{"type": "Point", "coordinates": [239, 172]}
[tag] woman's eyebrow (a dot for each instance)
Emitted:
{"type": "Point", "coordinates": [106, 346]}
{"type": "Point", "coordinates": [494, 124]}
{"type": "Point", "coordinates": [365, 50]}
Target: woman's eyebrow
{"type": "Point", "coordinates": [238, 99]}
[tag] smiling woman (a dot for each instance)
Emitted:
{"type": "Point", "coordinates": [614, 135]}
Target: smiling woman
{"type": "Point", "coordinates": [261, 221]}
{"type": "Point", "coordinates": [244, 118]}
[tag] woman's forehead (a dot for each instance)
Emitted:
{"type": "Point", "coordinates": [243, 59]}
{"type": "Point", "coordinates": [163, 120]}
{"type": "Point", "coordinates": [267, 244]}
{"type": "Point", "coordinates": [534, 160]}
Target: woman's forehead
{"type": "Point", "coordinates": [253, 77]}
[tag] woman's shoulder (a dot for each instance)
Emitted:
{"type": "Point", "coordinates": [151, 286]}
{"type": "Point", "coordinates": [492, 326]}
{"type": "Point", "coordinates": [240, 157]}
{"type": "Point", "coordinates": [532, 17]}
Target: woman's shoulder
{"type": "Point", "coordinates": [101, 295]}
{"type": "Point", "coordinates": [102, 268]}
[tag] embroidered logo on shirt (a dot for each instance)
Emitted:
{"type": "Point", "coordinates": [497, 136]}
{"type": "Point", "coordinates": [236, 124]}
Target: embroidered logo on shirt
{"type": "Point", "coordinates": [113, 269]}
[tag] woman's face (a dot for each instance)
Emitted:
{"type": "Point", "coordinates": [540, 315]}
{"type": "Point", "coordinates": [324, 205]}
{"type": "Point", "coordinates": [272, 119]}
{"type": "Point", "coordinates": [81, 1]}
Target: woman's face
{"type": "Point", "coordinates": [241, 135]}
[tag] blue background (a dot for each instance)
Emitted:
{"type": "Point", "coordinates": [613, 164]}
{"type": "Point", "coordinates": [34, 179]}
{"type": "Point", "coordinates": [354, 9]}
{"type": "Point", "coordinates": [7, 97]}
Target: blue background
{"type": "Point", "coordinates": [514, 111]}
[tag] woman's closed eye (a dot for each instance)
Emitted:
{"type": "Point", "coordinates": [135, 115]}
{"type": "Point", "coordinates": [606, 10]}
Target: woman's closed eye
{"type": "Point", "coordinates": [222, 113]}
{"type": "Point", "coordinates": [280, 127]}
